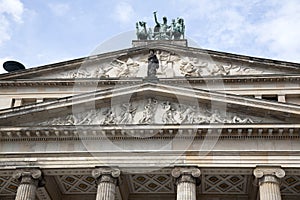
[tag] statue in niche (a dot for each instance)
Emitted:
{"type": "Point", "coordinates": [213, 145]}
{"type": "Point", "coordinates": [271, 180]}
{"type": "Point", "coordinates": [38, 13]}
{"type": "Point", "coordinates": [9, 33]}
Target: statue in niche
{"type": "Point", "coordinates": [128, 113]}
{"type": "Point", "coordinates": [168, 115]}
{"type": "Point", "coordinates": [153, 65]}
{"type": "Point", "coordinates": [109, 117]}
{"type": "Point", "coordinates": [148, 113]}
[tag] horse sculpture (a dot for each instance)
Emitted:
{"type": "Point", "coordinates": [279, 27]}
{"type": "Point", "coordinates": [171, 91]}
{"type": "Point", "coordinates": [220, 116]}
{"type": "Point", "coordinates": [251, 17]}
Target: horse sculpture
{"type": "Point", "coordinates": [161, 31]}
{"type": "Point", "coordinates": [142, 33]}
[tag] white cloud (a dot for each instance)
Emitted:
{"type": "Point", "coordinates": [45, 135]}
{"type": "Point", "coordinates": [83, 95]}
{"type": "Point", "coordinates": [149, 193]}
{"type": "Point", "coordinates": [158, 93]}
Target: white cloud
{"type": "Point", "coordinates": [123, 13]}
{"type": "Point", "coordinates": [13, 8]}
{"type": "Point", "coordinates": [269, 28]}
{"type": "Point", "coordinates": [59, 9]}
{"type": "Point", "coordinates": [10, 12]}
{"type": "Point", "coordinates": [280, 30]}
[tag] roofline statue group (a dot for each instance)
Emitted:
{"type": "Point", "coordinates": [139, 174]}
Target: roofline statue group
{"type": "Point", "coordinates": [161, 31]}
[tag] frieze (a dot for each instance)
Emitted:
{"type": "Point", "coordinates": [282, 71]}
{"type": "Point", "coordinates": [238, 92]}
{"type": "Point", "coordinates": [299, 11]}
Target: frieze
{"type": "Point", "coordinates": [150, 111]}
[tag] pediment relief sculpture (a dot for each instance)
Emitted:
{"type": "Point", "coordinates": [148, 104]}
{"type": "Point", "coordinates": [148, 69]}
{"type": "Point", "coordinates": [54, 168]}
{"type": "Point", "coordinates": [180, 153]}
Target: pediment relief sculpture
{"type": "Point", "coordinates": [169, 65]}
{"type": "Point", "coordinates": [150, 111]}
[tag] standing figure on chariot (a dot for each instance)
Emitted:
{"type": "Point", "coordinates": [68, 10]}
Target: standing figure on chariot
{"type": "Point", "coordinates": [161, 30]}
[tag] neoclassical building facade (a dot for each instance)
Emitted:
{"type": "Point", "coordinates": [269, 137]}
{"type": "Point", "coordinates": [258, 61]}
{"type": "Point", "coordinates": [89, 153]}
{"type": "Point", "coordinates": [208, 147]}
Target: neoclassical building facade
{"type": "Point", "coordinates": [206, 125]}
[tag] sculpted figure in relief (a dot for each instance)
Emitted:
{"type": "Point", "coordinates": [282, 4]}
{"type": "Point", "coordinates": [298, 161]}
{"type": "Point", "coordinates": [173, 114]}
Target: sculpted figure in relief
{"type": "Point", "coordinates": [172, 114]}
{"type": "Point", "coordinates": [148, 113]}
{"type": "Point", "coordinates": [125, 68]}
{"type": "Point", "coordinates": [168, 115]}
{"type": "Point", "coordinates": [78, 74]}
{"type": "Point", "coordinates": [128, 113]}
{"type": "Point", "coordinates": [215, 117]}
{"type": "Point", "coordinates": [101, 72]}
{"type": "Point", "coordinates": [191, 67]}
{"type": "Point", "coordinates": [230, 69]}
{"type": "Point", "coordinates": [109, 117]}
{"type": "Point", "coordinates": [85, 118]}
{"type": "Point", "coordinates": [188, 115]}
{"type": "Point", "coordinates": [237, 119]}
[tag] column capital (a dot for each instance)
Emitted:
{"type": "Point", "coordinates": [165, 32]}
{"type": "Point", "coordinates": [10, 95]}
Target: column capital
{"type": "Point", "coordinates": [277, 172]}
{"type": "Point", "coordinates": [193, 171]}
{"type": "Point", "coordinates": [31, 176]}
{"type": "Point", "coordinates": [106, 174]}
{"type": "Point", "coordinates": [186, 174]}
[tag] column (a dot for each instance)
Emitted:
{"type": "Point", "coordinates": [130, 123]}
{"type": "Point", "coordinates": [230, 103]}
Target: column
{"type": "Point", "coordinates": [269, 181]}
{"type": "Point", "coordinates": [106, 179]}
{"type": "Point", "coordinates": [186, 182]}
{"type": "Point", "coordinates": [29, 179]}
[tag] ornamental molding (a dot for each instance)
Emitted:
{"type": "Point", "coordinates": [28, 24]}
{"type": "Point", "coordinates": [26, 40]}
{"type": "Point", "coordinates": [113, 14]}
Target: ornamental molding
{"type": "Point", "coordinates": [223, 171]}
{"type": "Point", "coordinates": [139, 132]}
{"type": "Point", "coordinates": [112, 81]}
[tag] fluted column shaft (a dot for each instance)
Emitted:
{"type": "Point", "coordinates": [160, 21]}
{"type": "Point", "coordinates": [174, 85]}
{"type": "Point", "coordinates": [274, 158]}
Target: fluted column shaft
{"type": "Point", "coordinates": [29, 181]}
{"type": "Point", "coordinates": [106, 179]}
{"type": "Point", "coordinates": [186, 182]}
{"type": "Point", "coordinates": [269, 182]}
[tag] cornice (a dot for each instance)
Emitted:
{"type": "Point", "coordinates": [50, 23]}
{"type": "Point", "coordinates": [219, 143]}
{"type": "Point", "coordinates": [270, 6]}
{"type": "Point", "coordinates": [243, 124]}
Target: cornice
{"type": "Point", "coordinates": [137, 80]}
{"type": "Point", "coordinates": [142, 132]}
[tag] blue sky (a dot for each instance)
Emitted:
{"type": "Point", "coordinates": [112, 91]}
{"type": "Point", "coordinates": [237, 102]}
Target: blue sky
{"type": "Point", "coordinates": [39, 32]}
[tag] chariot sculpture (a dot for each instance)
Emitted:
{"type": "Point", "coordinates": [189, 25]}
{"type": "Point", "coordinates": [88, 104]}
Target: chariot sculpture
{"type": "Point", "coordinates": [161, 31]}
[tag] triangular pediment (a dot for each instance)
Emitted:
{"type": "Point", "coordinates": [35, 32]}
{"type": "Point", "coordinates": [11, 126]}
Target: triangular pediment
{"type": "Point", "coordinates": [174, 61]}
{"type": "Point", "coordinates": [150, 103]}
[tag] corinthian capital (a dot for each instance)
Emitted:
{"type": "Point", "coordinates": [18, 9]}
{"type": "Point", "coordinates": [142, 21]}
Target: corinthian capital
{"type": "Point", "coordinates": [29, 176]}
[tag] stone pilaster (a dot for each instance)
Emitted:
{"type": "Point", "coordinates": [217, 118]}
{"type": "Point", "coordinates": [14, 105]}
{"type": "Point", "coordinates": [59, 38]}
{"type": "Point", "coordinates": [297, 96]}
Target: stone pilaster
{"type": "Point", "coordinates": [106, 179]}
{"type": "Point", "coordinates": [186, 178]}
{"type": "Point", "coordinates": [269, 180]}
{"type": "Point", "coordinates": [29, 179]}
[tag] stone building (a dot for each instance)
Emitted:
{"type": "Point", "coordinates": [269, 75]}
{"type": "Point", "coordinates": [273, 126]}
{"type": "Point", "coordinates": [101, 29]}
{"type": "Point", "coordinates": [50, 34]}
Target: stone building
{"type": "Point", "coordinates": [209, 126]}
